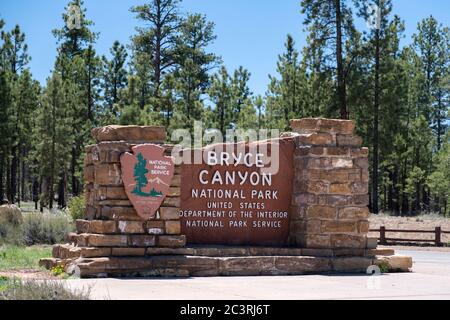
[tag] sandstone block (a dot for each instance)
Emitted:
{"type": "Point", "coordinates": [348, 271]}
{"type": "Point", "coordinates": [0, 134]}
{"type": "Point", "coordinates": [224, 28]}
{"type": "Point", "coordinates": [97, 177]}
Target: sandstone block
{"type": "Point", "coordinates": [108, 174]}
{"type": "Point", "coordinates": [171, 241]}
{"type": "Point", "coordinates": [173, 227]}
{"type": "Point", "coordinates": [120, 213]}
{"type": "Point", "coordinates": [174, 192]}
{"type": "Point", "coordinates": [381, 252]}
{"type": "Point", "coordinates": [348, 141]}
{"type": "Point", "coordinates": [335, 200]}
{"type": "Point", "coordinates": [321, 212]}
{"type": "Point", "coordinates": [247, 266]}
{"type": "Point", "coordinates": [317, 241]}
{"type": "Point", "coordinates": [363, 227]}
{"type": "Point", "coordinates": [349, 252]}
{"type": "Point", "coordinates": [142, 241]}
{"type": "Point", "coordinates": [316, 139]}
{"type": "Point", "coordinates": [172, 202]}
{"type": "Point", "coordinates": [360, 188]}
{"type": "Point", "coordinates": [97, 240]}
{"type": "Point", "coordinates": [351, 264]}
{"type": "Point", "coordinates": [396, 263]}
{"type": "Point", "coordinates": [338, 151]}
{"type": "Point", "coordinates": [359, 152]}
{"type": "Point", "coordinates": [340, 188]}
{"type": "Point", "coordinates": [130, 252]}
{"type": "Point", "coordinates": [313, 226]}
{"type": "Point", "coordinates": [129, 133]}
{"type": "Point", "coordinates": [303, 198]}
{"type": "Point", "coordinates": [89, 174]}
{"type": "Point", "coordinates": [372, 243]}
{"type": "Point", "coordinates": [353, 213]}
{"type": "Point", "coordinates": [348, 241]}
{"type": "Point", "coordinates": [131, 227]}
{"type": "Point", "coordinates": [91, 212]}
{"type": "Point", "coordinates": [96, 226]}
{"type": "Point", "coordinates": [169, 213]}
{"type": "Point", "coordinates": [362, 163]}
{"type": "Point", "coordinates": [176, 181]}
{"type": "Point", "coordinates": [95, 252]}
{"type": "Point", "coordinates": [339, 163]}
{"type": "Point", "coordinates": [359, 200]}
{"type": "Point", "coordinates": [322, 125]}
{"type": "Point", "coordinates": [115, 203]}
{"type": "Point", "coordinates": [339, 227]}
{"type": "Point", "coordinates": [115, 193]}
{"type": "Point", "coordinates": [155, 227]}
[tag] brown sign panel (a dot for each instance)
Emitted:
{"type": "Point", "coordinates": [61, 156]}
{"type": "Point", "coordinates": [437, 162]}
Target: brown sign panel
{"type": "Point", "coordinates": [147, 175]}
{"type": "Point", "coordinates": [240, 194]}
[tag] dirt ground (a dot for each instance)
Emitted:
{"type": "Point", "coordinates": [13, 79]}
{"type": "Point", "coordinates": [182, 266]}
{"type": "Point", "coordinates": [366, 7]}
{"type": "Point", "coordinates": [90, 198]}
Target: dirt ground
{"type": "Point", "coordinates": [27, 274]}
{"type": "Point", "coordinates": [425, 222]}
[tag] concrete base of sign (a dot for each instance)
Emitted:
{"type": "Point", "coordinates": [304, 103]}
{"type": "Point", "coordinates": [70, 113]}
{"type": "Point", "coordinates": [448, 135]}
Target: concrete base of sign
{"type": "Point", "coordinates": [207, 261]}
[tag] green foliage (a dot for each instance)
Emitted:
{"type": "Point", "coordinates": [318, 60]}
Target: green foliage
{"type": "Point", "coordinates": [384, 267]}
{"type": "Point", "coordinates": [18, 257]}
{"type": "Point", "coordinates": [46, 228]}
{"type": "Point", "coordinates": [397, 93]}
{"type": "Point", "coordinates": [58, 271]}
{"type": "Point", "coordinates": [41, 290]}
{"type": "Point", "coordinates": [77, 207]}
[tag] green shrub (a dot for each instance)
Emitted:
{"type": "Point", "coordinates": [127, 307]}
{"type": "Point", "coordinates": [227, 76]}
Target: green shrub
{"type": "Point", "coordinates": [46, 228]}
{"type": "Point", "coordinates": [10, 233]}
{"type": "Point", "coordinates": [57, 271]}
{"type": "Point", "coordinates": [41, 290]}
{"type": "Point", "coordinates": [17, 257]}
{"type": "Point", "coordinates": [77, 207]}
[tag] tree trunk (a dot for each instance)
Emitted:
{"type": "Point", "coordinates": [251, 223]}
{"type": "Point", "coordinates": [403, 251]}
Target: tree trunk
{"type": "Point", "coordinates": [35, 192]}
{"type": "Point", "coordinates": [375, 156]}
{"type": "Point", "coordinates": [2, 190]}
{"type": "Point", "coordinates": [62, 191]}
{"type": "Point", "coordinates": [157, 56]}
{"type": "Point", "coordinates": [73, 170]}
{"type": "Point", "coordinates": [24, 177]}
{"type": "Point", "coordinates": [342, 94]}
{"type": "Point", "coordinates": [13, 180]}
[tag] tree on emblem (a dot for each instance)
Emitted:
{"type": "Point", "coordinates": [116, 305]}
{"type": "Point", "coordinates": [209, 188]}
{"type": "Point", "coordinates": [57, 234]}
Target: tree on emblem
{"type": "Point", "coordinates": [140, 171]}
{"type": "Point", "coordinates": [140, 177]}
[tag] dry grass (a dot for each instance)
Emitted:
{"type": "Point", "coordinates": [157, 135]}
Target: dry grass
{"type": "Point", "coordinates": [423, 222]}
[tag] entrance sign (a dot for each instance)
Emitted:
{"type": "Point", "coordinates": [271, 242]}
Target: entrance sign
{"type": "Point", "coordinates": [147, 175]}
{"type": "Point", "coordinates": [236, 196]}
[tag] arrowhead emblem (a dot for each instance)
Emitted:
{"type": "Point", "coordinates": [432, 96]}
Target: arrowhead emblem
{"type": "Point", "coordinates": [147, 174]}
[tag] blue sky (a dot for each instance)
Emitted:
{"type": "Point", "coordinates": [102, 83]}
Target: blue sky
{"type": "Point", "coordinates": [250, 33]}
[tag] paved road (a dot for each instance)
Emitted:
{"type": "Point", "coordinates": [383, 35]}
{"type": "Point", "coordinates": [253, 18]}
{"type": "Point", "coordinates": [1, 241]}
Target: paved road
{"type": "Point", "coordinates": [430, 279]}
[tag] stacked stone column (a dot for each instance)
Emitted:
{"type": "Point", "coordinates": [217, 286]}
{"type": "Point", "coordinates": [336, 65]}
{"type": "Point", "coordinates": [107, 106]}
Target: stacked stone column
{"type": "Point", "coordinates": [330, 197]}
{"type": "Point", "coordinates": [111, 226]}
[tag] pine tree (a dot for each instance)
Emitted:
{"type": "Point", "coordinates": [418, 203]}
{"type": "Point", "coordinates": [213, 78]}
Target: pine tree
{"type": "Point", "coordinates": [15, 58]}
{"type": "Point", "coordinates": [432, 44]}
{"type": "Point", "coordinates": [330, 23]}
{"type": "Point", "coordinates": [114, 76]}
{"type": "Point", "coordinates": [140, 171]}
{"type": "Point", "coordinates": [157, 40]}
{"type": "Point", "coordinates": [53, 138]}
{"type": "Point", "coordinates": [284, 94]}
{"type": "Point", "coordinates": [221, 95]}
{"type": "Point", "coordinates": [191, 77]}
{"type": "Point", "coordinates": [79, 68]}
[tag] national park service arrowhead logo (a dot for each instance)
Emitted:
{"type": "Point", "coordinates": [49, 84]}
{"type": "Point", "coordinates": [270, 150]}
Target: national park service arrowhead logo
{"type": "Point", "coordinates": [147, 175]}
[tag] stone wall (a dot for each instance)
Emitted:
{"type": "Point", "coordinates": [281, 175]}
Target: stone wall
{"type": "Point", "coordinates": [111, 224]}
{"type": "Point", "coordinates": [330, 196]}
{"type": "Point", "coordinates": [328, 217]}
